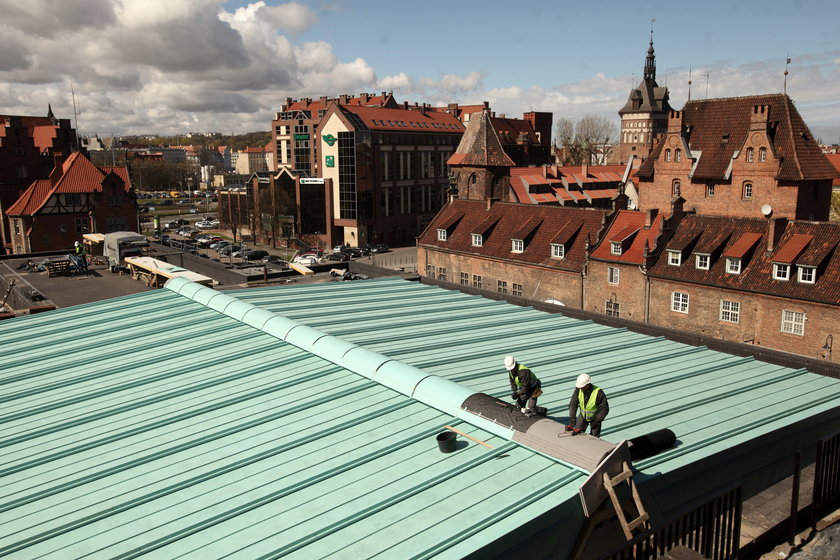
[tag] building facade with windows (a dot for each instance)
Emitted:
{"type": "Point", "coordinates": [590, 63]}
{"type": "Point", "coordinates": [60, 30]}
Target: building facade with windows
{"type": "Point", "coordinates": [739, 156]}
{"type": "Point", "coordinates": [77, 198]}
{"type": "Point", "coordinates": [30, 147]}
{"type": "Point", "coordinates": [768, 282]}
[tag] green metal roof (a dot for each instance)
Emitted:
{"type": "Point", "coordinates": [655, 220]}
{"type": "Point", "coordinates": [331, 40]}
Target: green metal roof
{"type": "Point", "coordinates": [214, 424]}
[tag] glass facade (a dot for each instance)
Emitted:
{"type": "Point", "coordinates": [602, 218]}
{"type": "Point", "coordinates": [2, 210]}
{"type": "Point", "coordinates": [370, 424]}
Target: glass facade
{"type": "Point", "coordinates": [347, 176]}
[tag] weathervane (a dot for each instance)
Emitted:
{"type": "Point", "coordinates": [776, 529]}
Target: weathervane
{"type": "Point", "coordinates": [786, 73]}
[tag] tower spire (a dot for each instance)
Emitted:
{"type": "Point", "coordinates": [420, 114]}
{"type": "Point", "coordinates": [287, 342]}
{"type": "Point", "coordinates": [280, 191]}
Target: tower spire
{"type": "Point", "coordinates": [650, 60]}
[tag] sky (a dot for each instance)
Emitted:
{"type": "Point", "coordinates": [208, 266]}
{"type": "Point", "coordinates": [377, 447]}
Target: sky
{"type": "Point", "coordinates": [178, 66]}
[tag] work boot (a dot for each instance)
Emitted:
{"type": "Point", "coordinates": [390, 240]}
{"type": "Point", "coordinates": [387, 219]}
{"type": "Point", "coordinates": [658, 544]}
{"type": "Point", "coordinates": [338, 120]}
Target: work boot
{"type": "Point", "coordinates": [528, 412]}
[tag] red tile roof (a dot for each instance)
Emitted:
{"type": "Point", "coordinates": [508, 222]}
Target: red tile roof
{"type": "Point", "coordinates": [75, 175]}
{"type": "Point", "coordinates": [576, 224]}
{"type": "Point", "coordinates": [743, 245]}
{"type": "Point", "coordinates": [625, 224]}
{"type": "Point", "coordinates": [789, 252]}
{"type": "Point", "coordinates": [834, 160]}
{"type": "Point", "coordinates": [757, 271]}
{"type": "Point", "coordinates": [404, 120]}
{"type": "Point", "coordinates": [550, 184]}
{"type": "Point", "coordinates": [719, 128]}
{"type": "Point", "coordinates": [480, 145]}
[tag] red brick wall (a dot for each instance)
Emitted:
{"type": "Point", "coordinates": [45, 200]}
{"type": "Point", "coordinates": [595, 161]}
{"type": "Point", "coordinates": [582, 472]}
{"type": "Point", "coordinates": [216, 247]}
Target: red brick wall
{"type": "Point", "coordinates": [538, 283]}
{"type": "Point", "coordinates": [629, 292]}
{"type": "Point", "coordinates": [760, 318]}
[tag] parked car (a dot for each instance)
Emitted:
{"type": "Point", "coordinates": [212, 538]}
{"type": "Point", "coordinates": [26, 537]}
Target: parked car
{"type": "Point", "coordinates": [338, 256]}
{"type": "Point", "coordinates": [353, 251]}
{"type": "Point", "coordinates": [217, 245]}
{"type": "Point", "coordinates": [306, 260]}
{"type": "Point", "coordinates": [203, 225]}
{"type": "Point", "coordinates": [228, 249]}
{"type": "Point", "coordinates": [273, 259]}
{"type": "Point", "coordinates": [254, 254]}
{"type": "Point", "coordinates": [207, 241]}
{"type": "Point", "coordinates": [379, 248]}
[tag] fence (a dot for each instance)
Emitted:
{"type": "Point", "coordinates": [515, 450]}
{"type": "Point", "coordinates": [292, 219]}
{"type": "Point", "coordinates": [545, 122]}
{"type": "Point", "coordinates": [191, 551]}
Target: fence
{"type": "Point", "coordinates": [712, 529]}
{"type": "Point", "coordinates": [826, 475]}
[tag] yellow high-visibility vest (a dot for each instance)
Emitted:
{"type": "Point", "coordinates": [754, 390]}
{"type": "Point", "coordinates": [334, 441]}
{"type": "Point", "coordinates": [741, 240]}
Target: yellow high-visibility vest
{"type": "Point", "coordinates": [589, 408]}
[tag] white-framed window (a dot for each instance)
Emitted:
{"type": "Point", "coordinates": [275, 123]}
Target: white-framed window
{"type": "Point", "coordinates": [430, 270]}
{"type": "Point", "coordinates": [730, 311]}
{"type": "Point", "coordinates": [477, 240]}
{"type": "Point", "coordinates": [781, 271]}
{"type": "Point", "coordinates": [441, 234]}
{"type": "Point", "coordinates": [516, 289]}
{"type": "Point", "coordinates": [80, 224]}
{"type": "Point", "coordinates": [517, 246]}
{"type": "Point", "coordinates": [793, 322]}
{"type": "Point", "coordinates": [612, 308]}
{"type": "Point", "coordinates": [679, 302]}
{"type": "Point", "coordinates": [558, 251]}
{"type": "Point", "coordinates": [465, 279]}
{"type": "Point", "coordinates": [710, 190]}
{"type": "Point", "coordinates": [678, 155]}
{"type": "Point", "coordinates": [501, 286]}
{"type": "Point", "coordinates": [762, 154]}
{"type": "Point", "coordinates": [733, 265]}
{"type": "Point", "coordinates": [701, 261]}
{"type": "Point", "coordinates": [615, 247]}
{"type": "Point", "coordinates": [442, 274]}
{"type": "Point", "coordinates": [613, 275]}
{"type": "Point", "coordinates": [807, 274]}
{"type": "Point", "coordinates": [674, 258]}
{"type": "Point", "coordinates": [477, 281]}
{"type": "Point", "coordinates": [749, 155]}
{"type": "Point", "coordinates": [667, 155]}
{"type": "Point", "coordinates": [748, 190]}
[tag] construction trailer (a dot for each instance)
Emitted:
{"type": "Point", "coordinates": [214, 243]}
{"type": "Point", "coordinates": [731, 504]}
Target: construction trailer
{"type": "Point", "coordinates": [170, 451]}
{"type": "Point", "coordinates": [121, 244]}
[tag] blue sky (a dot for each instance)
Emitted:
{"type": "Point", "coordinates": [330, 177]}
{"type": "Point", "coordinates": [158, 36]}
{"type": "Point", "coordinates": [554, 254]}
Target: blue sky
{"type": "Point", "coordinates": [169, 66]}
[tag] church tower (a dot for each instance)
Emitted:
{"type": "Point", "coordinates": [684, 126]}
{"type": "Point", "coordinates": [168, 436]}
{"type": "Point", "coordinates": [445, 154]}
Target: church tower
{"type": "Point", "coordinates": [645, 115]}
{"type": "Point", "coordinates": [480, 165]}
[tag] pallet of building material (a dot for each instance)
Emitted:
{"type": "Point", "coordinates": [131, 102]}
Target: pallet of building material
{"type": "Point", "coordinates": [57, 267]}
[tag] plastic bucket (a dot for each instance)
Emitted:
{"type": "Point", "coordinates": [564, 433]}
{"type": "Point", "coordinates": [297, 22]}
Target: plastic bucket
{"type": "Point", "coordinates": [446, 441]}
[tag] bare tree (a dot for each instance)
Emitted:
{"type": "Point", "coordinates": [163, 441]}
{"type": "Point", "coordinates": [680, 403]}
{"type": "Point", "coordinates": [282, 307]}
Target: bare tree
{"type": "Point", "coordinates": [586, 140]}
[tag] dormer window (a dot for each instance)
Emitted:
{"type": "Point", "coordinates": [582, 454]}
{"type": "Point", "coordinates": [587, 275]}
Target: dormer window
{"type": "Point", "coordinates": [558, 251]}
{"type": "Point", "coordinates": [749, 155]}
{"type": "Point", "coordinates": [517, 246]}
{"type": "Point", "coordinates": [733, 266]}
{"type": "Point", "coordinates": [678, 155]}
{"type": "Point", "coordinates": [477, 240]}
{"type": "Point", "coordinates": [762, 154]}
{"type": "Point", "coordinates": [615, 248]}
{"type": "Point", "coordinates": [674, 258]}
{"type": "Point", "coordinates": [668, 155]}
{"type": "Point", "coordinates": [701, 261]}
{"type": "Point", "coordinates": [781, 271]}
{"type": "Point", "coordinates": [807, 274]}
{"type": "Point", "coordinates": [441, 232]}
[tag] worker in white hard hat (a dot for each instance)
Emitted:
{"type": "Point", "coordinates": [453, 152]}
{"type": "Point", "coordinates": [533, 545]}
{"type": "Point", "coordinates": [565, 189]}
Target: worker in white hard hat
{"type": "Point", "coordinates": [81, 256]}
{"type": "Point", "coordinates": [588, 407]}
{"type": "Point", "coordinates": [524, 387]}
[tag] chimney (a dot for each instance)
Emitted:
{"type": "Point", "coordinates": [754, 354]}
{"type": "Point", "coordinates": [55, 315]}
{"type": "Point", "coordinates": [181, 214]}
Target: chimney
{"type": "Point", "coordinates": [650, 216]}
{"type": "Point", "coordinates": [343, 99]}
{"type": "Point", "coordinates": [545, 171]}
{"type": "Point", "coordinates": [324, 98]}
{"type": "Point", "coordinates": [759, 117]}
{"type": "Point", "coordinates": [675, 121]}
{"type": "Point", "coordinates": [405, 105]}
{"type": "Point", "coordinates": [286, 103]}
{"type": "Point", "coordinates": [584, 169]}
{"type": "Point", "coordinates": [775, 228]}
{"type": "Point", "coordinates": [423, 110]}
{"type": "Point", "coordinates": [490, 203]}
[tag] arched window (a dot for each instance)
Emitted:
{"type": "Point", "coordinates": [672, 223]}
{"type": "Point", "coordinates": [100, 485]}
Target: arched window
{"type": "Point", "coordinates": [473, 179]}
{"type": "Point", "coordinates": [749, 155]}
{"type": "Point", "coordinates": [675, 187]}
{"type": "Point", "coordinates": [678, 155]}
{"type": "Point", "coordinates": [748, 190]}
{"type": "Point", "coordinates": [762, 154]}
{"type": "Point", "coordinates": [668, 155]}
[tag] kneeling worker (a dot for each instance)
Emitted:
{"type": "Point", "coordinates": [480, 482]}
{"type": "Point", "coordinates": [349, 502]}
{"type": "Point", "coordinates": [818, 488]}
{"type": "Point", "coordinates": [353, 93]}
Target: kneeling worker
{"type": "Point", "coordinates": [593, 405]}
{"type": "Point", "coordinates": [524, 386]}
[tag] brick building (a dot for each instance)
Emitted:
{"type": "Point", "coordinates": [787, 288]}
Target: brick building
{"type": "Point", "coordinates": [77, 198]}
{"type": "Point", "coordinates": [768, 282]}
{"type": "Point", "coordinates": [537, 252]}
{"type": "Point", "coordinates": [739, 156]}
{"type": "Point", "coordinates": [29, 149]}
{"type": "Point", "coordinates": [644, 116]}
{"type": "Point", "coordinates": [570, 185]}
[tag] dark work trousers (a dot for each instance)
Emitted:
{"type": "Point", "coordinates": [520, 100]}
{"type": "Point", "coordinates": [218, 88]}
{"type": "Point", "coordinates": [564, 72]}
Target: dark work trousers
{"type": "Point", "coordinates": [581, 425]}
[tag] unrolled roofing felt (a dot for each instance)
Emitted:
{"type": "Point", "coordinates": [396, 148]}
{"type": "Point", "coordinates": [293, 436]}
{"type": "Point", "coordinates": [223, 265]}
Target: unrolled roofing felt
{"type": "Point", "coordinates": [181, 422]}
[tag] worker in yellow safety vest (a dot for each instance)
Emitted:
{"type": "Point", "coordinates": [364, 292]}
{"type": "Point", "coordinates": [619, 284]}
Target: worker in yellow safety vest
{"type": "Point", "coordinates": [524, 387]}
{"type": "Point", "coordinates": [588, 407]}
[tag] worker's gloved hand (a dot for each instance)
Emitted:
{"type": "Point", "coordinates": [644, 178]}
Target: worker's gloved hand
{"type": "Point", "coordinates": [570, 427]}
{"type": "Point", "coordinates": [575, 431]}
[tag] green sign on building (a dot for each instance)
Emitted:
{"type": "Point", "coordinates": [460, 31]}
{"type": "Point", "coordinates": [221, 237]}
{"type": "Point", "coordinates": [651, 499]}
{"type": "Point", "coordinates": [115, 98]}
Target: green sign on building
{"type": "Point", "coordinates": [301, 137]}
{"type": "Point", "coordinates": [329, 161]}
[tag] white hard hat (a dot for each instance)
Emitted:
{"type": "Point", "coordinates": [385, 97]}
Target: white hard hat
{"type": "Point", "coordinates": [583, 380]}
{"type": "Point", "coordinates": [510, 362]}
{"type": "Point", "coordinates": [77, 243]}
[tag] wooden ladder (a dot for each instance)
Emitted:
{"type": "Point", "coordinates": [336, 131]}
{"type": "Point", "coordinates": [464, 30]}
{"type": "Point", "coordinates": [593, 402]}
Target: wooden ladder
{"type": "Point", "coordinates": [626, 475]}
